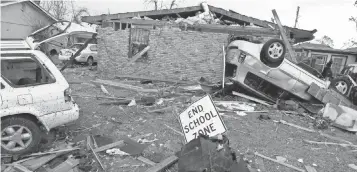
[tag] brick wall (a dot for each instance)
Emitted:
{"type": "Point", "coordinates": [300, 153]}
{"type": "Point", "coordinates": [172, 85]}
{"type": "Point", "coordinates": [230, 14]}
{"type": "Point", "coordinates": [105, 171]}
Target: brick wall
{"type": "Point", "coordinates": [173, 54]}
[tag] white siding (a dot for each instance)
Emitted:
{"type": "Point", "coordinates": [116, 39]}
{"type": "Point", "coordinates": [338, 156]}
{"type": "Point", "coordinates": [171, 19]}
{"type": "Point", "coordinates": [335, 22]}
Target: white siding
{"type": "Point", "coordinates": [21, 19]}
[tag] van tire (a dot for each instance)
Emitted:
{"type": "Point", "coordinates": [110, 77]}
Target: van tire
{"type": "Point", "coordinates": [30, 130]}
{"type": "Point", "coordinates": [90, 61]}
{"type": "Point", "coordinates": [273, 52]}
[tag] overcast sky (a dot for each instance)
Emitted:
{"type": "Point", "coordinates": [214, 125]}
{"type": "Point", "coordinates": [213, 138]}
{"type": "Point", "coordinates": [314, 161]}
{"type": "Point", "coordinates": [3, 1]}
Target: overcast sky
{"type": "Point", "coordinates": [329, 17]}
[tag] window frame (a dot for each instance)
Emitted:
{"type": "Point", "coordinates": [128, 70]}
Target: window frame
{"type": "Point", "coordinates": [34, 58]}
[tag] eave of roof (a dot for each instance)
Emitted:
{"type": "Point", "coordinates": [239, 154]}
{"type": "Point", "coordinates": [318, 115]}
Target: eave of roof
{"type": "Point", "coordinates": [324, 50]}
{"type": "Point", "coordinates": [302, 35]}
{"type": "Point", "coordinates": [33, 3]}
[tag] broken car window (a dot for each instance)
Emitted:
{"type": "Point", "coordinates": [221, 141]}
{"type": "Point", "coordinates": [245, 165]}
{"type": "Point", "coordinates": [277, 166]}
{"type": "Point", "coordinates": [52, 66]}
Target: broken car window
{"type": "Point", "coordinates": [24, 71]}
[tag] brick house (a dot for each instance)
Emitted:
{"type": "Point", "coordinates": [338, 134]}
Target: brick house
{"type": "Point", "coordinates": [176, 52]}
{"type": "Point", "coordinates": [317, 55]}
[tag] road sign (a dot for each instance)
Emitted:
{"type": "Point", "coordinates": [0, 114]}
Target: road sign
{"type": "Point", "coordinates": [201, 117]}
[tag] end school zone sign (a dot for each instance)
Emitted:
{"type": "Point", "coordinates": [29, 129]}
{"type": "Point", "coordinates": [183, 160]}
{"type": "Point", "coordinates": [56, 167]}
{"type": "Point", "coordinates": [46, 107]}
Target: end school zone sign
{"type": "Point", "coordinates": [201, 117]}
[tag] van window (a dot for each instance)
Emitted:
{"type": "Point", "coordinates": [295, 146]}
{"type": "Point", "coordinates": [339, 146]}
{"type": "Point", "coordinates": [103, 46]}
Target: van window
{"type": "Point", "coordinates": [93, 48]}
{"type": "Point", "coordinates": [23, 71]}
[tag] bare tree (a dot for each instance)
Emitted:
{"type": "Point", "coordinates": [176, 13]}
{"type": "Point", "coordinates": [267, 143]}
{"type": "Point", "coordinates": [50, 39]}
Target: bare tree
{"type": "Point", "coordinates": [59, 9]}
{"type": "Point", "coordinates": [162, 4]}
{"type": "Point", "coordinates": [64, 10]}
{"type": "Point", "coordinates": [354, 19]}
{"type": "Point", "coordinates": [326, 40]}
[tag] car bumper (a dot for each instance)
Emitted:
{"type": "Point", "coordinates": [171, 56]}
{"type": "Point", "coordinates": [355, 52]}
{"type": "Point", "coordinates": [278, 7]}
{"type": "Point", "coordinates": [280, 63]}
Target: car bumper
{"type": "Point", "coordinates": [59, 118]}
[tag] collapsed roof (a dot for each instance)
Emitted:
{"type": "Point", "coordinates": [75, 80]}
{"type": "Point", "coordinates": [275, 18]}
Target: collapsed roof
{"type": "Point", "coordinates": [323, 48]}
{"type": "Point", "coordinates": [300, 35]}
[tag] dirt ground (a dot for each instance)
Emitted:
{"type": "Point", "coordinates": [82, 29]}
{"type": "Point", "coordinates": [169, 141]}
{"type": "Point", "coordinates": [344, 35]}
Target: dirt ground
{"type": "Point", "coordinates": [246, 133]}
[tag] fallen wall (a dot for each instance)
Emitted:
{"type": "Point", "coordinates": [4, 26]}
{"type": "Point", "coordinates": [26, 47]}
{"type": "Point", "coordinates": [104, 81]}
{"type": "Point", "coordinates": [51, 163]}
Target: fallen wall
{"type": "Point", "coordinates": [173, 54]}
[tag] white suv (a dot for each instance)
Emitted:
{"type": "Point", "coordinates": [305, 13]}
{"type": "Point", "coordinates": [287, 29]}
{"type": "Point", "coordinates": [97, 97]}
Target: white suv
{"type": "Point", "coordinates": [34, 97]}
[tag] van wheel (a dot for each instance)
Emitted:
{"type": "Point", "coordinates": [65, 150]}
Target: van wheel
{"type": "Point", "coordinates": [273, 51]}
{"type": "Point", "coordinates": [342, 85]}
{"type": "Point", "coordinates": [90, 61]}
{"type": "Point", "coordinates": [19, 135]}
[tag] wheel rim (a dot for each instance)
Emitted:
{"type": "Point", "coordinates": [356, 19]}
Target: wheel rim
{"type": "Point", "coordinates": [15, 138]}
{"type": "Point", "coordinates": [275, 50]}
{"type": "Point", "coordinates": [341, 86]}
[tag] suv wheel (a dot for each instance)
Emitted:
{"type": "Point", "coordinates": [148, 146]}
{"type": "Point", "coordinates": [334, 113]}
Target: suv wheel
{"type": "Point", "coordinates": [273, 51]}
{"type": "Point", "coordinates": [342, 85]}
{"type": "Point", "coordinates": [90, 61]}
{"type": "Point", "coordinates": [19, 135]}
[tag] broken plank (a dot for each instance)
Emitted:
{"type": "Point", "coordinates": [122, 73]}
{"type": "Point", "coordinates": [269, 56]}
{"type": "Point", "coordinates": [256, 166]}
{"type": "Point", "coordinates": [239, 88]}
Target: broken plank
{"type": "Point", "coordinates": [174, 130]}
{"type": "Point", "coordinates": [151, 79]}
{"type": "Point", "coordinates": [51, 152]}
{"type": "Point", "coordinates": [100, 97]}
{"type": "Point", "coordinates": [160, 110]}
{"type": "Point", "coordinates": [95, 155]}
{"type": "Point", "coordinates": [125, 86]}
{"type": "Point", "coordinates": [34, 164]}
{"type": "Point", "coordinates": [285, 38]}
{"type": "Point", "coordinates": [145, 160]}
{"type": "Point", "coordinates": [163, 164]}
{"type": "Point", "coordinates": [108, 146]}
{"type": "Point", "coordinates": [329, 143]}
{"type": "Point", "coordinates": [251, 98]}
{"type": "Point", "coordinates": [296, 126]}
{"type": "Point", "coordinates": [139, 54]}
{"type": "Point", "coordinates": [274, 160]}
{"type": "Point", "coordinates": [334, 138]}
{"type": "Point", "coordinates": [66, 165]}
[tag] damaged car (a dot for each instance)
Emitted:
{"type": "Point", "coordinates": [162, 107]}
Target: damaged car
{"type": "Point", "coordinates": [35, 97]}
{"type": "Point", "coordinates": [263, 69]}
{"type": "Point", "coordinates": [88, 55]}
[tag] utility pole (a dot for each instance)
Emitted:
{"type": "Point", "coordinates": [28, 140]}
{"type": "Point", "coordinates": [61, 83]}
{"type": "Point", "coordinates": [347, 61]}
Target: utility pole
{"type": "Point", "coordinates": [297, 16]}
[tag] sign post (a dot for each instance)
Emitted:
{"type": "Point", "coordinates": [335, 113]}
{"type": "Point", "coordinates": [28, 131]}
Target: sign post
{"type": "Point", "coordinates": [201, 117]}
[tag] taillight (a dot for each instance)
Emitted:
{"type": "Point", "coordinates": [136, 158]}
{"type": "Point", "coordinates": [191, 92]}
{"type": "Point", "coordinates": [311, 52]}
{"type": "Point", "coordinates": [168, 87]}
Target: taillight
{"type": "Point", "coordinates": [67, 95]}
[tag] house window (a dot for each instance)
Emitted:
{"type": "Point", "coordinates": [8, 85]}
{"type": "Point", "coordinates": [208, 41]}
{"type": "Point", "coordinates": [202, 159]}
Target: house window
{"type": "Point", "coordinates": [338, 62]}
{"type": "Point", "coordinates": [318, 61]}
{"type": "Point", "coordinates": [24, 71]}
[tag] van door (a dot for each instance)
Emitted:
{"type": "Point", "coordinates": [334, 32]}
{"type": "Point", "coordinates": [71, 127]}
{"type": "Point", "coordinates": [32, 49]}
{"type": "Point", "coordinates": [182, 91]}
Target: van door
{"type": "Point", "coordinates": [33, 85]}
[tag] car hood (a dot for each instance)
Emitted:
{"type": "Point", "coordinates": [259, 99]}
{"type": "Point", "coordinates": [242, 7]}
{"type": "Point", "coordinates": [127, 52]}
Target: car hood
{"type": "Point", "coordinates": [57, 30]}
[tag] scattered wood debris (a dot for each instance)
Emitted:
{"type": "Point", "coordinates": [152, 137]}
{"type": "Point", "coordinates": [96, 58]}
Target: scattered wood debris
{"type": "Point", "coordinates": [163, 164]}
{"type": "Point", "coordinates": [100, 97]}
{"type": "Point", "coordinates": [125, 86]}
{"type": "Point", "coordinates": [329, 143]}
{"type": "Point", "coordinates": [104, 90]}
{"type": "Point", "coordinates": [174, 130]}
{"type": "Point", "coordinates": [282, 163]}
{"type": "Point", "coordinates": [139, 54]}
{"type": "Point", "coordinates": [296, 126]}
{"type": "Point", "coordinates": [151, 79]}
{"type": "Point", "coordinates": [252, 98]}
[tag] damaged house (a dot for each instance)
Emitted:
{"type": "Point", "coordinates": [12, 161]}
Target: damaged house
{"type": "Point", "coordinates": [182, 43]}
{"type": "Point", "coordinates": [318, 55]}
